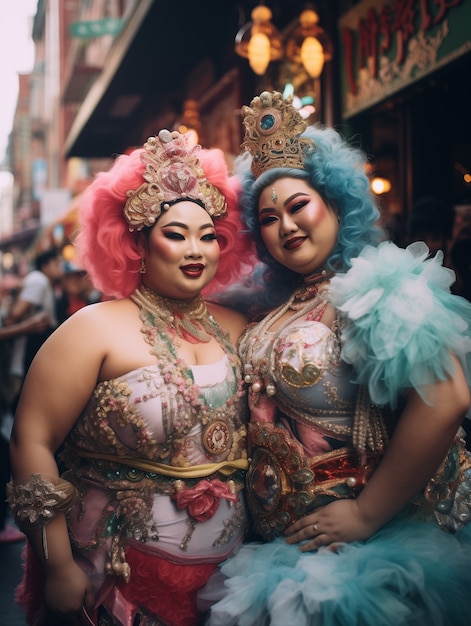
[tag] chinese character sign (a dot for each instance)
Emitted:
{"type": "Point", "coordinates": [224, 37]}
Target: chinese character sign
{"type": "Point", "coordinates": [389, 44]}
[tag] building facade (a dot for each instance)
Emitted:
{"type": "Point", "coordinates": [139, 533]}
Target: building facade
{"type": "Point", "coordinates": [109, 73]}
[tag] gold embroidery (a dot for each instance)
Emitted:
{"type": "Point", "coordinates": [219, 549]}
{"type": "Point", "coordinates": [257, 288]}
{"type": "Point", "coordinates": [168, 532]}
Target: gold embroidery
{"type": "Point", "coordinates": [333, 397]}
{"type": "Point", "coordinates": [283, 484]}
{"type": "Point", "coordinates": [308, 376]}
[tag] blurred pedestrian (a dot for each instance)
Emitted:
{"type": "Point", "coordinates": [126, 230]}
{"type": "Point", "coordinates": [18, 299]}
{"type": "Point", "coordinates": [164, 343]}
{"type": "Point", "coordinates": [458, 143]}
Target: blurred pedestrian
{"type": "Point", "coordinates": [37, 295]}
{"type": "Point", "coordinates": [35, 324]}
{"type": "Point", "coordinates": [77, 290]}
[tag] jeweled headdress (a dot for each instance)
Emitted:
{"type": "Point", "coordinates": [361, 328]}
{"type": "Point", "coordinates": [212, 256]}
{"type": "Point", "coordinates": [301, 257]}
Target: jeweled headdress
{"type": "Point", "coordinates": [272, 133]}
{"type": "Point", "coordinates": [173, 172]}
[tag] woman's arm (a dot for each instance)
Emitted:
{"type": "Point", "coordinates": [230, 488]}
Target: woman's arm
{"type": "Point", "coordinates": [34, 324]}
{"type": "Point", "coordinates": [418, 446]}
{"type": "Point", "coordinates": [420, 442]}
{"type": "Point", "coordinates": [57, 387]}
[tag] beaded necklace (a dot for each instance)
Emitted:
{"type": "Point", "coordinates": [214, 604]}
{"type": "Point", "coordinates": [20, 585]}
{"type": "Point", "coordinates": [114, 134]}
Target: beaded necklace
{"type": "Point", "coordinates": [187, 319]}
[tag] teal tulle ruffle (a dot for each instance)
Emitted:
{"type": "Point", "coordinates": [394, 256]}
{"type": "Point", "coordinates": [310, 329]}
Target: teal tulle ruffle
{"type": "Point", "coordinates": [402, 324]}
{"type": "Point", "coordinates": [410, 573]}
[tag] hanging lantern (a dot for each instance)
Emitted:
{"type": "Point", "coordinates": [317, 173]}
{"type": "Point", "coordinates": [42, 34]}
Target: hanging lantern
{"type": "Point", "coordinates": [259, 41]}
{"type": "Point", "coordinates": [312, 56]}
{"type": "Point", "coordinates": [380, 185]}
{"type": "Point", "coordinates": [309, 44]}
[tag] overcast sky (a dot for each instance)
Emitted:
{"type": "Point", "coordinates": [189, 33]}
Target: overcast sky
{"type": "Point", "coordinates": [16, 55]}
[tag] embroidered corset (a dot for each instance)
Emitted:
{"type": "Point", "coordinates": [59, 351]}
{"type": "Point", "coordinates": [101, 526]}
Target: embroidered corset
{"type": "Point", "coordinates": [310, 382]}
{"type": "Point", "coordinates": [173, 418]}
{"type": "Point", "coordinates": [304, 412]}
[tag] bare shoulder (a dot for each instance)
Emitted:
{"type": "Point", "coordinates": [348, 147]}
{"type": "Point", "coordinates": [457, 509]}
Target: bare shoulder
{"type": "Point", "coordinates": [96, 313]}
{"type": "Point", "coordinates": [105, 307]}
{"type": "Point", "coordinates": [229, 320]}
{"type": "Point", "coordinates": [92, 324]}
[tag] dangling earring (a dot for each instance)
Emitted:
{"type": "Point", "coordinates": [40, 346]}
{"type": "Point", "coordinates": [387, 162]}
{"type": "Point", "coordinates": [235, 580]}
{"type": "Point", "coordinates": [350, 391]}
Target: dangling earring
{"type": "Point", "coordinates": [143, 268]}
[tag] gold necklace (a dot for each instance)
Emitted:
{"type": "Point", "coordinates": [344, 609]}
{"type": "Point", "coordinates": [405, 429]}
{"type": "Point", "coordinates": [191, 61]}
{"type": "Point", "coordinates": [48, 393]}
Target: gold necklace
{"type": "Point", "coordinates": [187, 319]}
{"type": "Point", "coordinates": [313, 284]}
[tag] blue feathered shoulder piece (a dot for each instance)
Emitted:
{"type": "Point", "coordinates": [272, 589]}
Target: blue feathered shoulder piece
{"type": "Point", "coordinates": [401, 324]}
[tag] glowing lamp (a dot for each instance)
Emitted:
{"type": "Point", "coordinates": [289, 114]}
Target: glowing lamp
{"type": "Point", "coordinates": [380, 185]}
{"type": "Point", "coordinates": [259, 41]}
{"type": "Point", "coordinates": [309, 44]}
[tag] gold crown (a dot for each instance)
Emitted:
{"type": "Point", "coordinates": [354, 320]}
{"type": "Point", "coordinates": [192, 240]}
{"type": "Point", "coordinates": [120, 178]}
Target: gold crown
{"type": "Point", "coordinates": [272, 133]}
{"type": "Point", "coordinates": [173, 172]}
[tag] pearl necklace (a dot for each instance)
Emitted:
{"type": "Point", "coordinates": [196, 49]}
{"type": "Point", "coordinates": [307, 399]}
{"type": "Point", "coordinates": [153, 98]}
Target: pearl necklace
{"type": "Point", "coordinates": [187, 319]}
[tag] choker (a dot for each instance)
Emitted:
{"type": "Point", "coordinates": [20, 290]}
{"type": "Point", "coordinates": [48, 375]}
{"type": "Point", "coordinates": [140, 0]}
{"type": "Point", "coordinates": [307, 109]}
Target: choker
{"type": "Point", "coordinates": [187, 319]}
{"type": "Point", "coordinates": [310, 288]}
{"type": "Point", "coordinates": [317, 276]}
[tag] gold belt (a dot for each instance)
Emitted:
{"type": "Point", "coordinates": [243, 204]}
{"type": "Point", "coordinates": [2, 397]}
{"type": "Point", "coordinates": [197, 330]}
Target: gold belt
{"type": "Point", "coordinates": [226, 468]}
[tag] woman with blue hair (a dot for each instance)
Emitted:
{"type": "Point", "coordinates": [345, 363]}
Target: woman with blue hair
{"type": "Point", "coordinates": [359, 485]}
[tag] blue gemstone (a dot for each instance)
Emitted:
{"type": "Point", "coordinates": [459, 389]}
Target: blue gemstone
{"type": "Point", "coordinates": [267, 121]}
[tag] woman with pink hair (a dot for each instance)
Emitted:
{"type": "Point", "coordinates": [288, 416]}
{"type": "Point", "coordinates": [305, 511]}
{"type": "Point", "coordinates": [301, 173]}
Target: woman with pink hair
{"type": "Point", "coordinates": [142, 393]}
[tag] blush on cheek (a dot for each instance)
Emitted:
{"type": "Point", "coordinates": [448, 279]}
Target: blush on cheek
{"type": "Point", "coordinates": [218, 248]}
{"type": "Point", "coordinates": [164, 248]}
{"type": "Point", "coordinates": [319, 213]}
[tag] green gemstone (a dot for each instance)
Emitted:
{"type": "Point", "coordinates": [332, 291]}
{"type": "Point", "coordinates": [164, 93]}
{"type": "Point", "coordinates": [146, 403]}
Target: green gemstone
{"type": "Point", "coordinates": [267, 121]}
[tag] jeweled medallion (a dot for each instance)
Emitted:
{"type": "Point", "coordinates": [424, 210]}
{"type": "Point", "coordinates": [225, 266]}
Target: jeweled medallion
{"type": "Point", "coordinates": [216, 437]}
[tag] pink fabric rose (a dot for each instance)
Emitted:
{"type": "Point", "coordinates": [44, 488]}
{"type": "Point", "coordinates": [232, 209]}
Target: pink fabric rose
{"type": "Point", "coordinates": [202, 500]}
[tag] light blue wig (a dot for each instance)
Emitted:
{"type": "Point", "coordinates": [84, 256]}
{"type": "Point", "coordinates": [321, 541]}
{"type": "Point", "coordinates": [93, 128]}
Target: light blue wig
{"type": "Point", "coordinates": [336, 170]}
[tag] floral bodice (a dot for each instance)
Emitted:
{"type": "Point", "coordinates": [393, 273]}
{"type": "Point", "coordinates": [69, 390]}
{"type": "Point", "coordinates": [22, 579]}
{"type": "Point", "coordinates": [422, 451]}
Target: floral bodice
{"type": "Point", "coordinates": [150, 414]}
{"type": "Point", "coordinates": [304, 378]}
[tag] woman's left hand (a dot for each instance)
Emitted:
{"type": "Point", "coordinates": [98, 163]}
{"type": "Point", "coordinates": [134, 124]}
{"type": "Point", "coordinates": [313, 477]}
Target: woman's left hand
{"type": "Point", "coordinates": [330, 526]}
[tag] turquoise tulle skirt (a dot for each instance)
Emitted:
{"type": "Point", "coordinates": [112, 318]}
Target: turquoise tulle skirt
{"type": "Point", "coordinates": [410, 573]}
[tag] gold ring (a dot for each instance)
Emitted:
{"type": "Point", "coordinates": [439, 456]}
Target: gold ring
{"type": "Point", "coordinates": [315, 527]}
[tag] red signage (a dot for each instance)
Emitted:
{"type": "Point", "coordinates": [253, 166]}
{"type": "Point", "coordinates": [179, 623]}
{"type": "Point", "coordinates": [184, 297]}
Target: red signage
{"type": "Point", "coordinates": [388, 44]}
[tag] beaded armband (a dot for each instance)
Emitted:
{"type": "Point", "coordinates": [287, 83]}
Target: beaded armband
{"type": "Point", "coordinates": [36, 500]}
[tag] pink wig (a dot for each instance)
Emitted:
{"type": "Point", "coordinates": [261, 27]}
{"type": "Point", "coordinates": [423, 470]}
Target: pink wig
{"type": "Point", "coordinates": [110, 252]}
